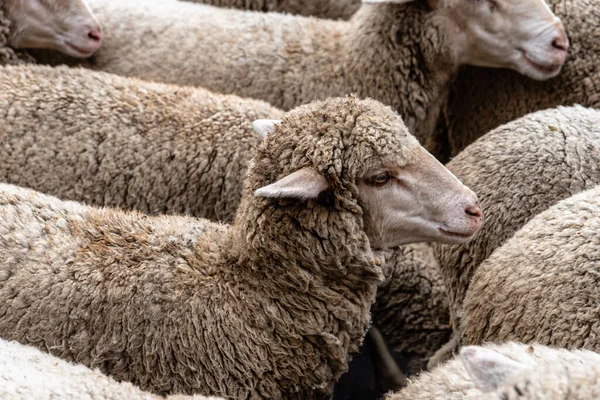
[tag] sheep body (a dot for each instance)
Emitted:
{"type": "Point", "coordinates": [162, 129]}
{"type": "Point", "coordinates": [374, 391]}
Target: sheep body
{"type": "Point", "coordinates": [292, 60]}
{"type": "Point", "coordinates": [27, 373]}
{"type": "Point", "coordinates": [112, 141]}
{"type": "Point", "coordinates": [482, 99]}
{"type": "Point", "coordinates": [519, 170]}
{"type": "Point", "coordinates": [169, 302]}
{"type": "Point", "coordinates": [545, 373]}
{"type": "Point", "coordinates": [333, 9]}
{"type": "Point", "coordinates": [542, 285]}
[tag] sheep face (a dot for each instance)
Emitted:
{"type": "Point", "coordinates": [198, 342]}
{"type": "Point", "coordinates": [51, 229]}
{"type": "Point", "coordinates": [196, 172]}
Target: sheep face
{"type": "Point", "coordinates": [67, 26]}
{"type": "Point", "coordinates": [363, 158]}
{"type": "Point", "coordinates": [523, 35]}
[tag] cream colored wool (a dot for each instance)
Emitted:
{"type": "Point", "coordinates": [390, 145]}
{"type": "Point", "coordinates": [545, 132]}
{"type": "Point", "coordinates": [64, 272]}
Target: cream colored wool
{"type": "Point", "coordinates": [399, 54]}
{"type": "Point", "coordinates": [27, 374]}
{"type": "Point", "coordinates": [112, 141]}
{"type": "Point", "coordinates": [518, 171]}
{"type": "Point", "coordinates": [542, 285]}
{"type": "Point", "coordinates": [547, 374]}
{"type": "Point", "coordinates": [482, 99]}
{"type": "Point", "coordinates": [332, 9]}
{"type": "Point", "coordinates": [169, 303]}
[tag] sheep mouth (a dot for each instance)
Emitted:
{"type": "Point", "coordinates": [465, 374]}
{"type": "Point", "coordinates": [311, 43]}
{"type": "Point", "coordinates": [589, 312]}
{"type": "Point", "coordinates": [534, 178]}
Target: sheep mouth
{"type": "Point", "coordinates": [81, 51]}
{"type": "Point", "coordinates": [456, 235]}
{"type": "Point", "coordinates": [549, 69]}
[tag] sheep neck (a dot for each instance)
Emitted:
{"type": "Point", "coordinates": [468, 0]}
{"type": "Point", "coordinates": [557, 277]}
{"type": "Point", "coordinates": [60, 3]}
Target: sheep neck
{"type": "Point", "coordinates": [8, 56]}
{"type": "Point", "coordinates": [406, 48]}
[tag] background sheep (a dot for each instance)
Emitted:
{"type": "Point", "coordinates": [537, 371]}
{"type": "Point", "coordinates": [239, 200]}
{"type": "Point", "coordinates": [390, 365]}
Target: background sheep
{"type": "Point", "coordinates": [510, 371]}
{"type": "Point", "coordinates": [113, 141]}
{"type": "Point", "coordinates": [542, 285]}
{"type": "Point", "coordinates": [27, 373]}
{"type": "Point", "coordinates": [482, 99]}
{"type": "Point", "coordinates": [334, 9]}
{"type": "Point", "coordinates": [519, 170]}
{"type": "Point", "coordinates": [66, 26]}
{"type": "Point", "coordinates": [149, 297]}
{"type": "Point", "coordinates": [400, 54]}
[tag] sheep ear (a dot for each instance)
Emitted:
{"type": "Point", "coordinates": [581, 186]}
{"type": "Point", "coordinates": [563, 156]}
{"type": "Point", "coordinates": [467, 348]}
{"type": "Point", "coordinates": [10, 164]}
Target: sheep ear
{"type": "Point", "coordinates": [264, 127]}
{"type": "Point", "coordinates": [303, 184]}
{"type": "Point", "coordinates": [488, 368]}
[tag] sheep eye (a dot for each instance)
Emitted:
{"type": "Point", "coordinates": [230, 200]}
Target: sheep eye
{"type": "Point", "coordinates": [380, 179]}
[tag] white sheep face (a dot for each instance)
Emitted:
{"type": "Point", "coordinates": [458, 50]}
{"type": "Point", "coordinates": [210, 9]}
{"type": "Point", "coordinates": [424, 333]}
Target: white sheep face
{"type": "Point", "coordinates": [67, 26]}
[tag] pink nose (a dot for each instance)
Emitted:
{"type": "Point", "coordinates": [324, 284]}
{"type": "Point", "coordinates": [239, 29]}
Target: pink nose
{"type": "Point", "coordinates": [474, 211]}
{"type": "Point", "coordinates": [95, 35]}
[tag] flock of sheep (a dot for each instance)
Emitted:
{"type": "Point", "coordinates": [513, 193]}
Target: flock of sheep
{"type": "Point", "coordinates": [161, 236]}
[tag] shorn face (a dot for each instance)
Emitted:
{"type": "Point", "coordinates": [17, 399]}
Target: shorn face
{"type": "Point", "coordinates": [67, 26]}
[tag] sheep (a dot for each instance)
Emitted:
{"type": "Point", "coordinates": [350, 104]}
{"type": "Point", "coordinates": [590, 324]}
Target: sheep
{"type": "Point", "coordinates": [519, 170]}
{"type": "Point", "coordinates": [66, 26]}
{"type": "Point", "coordinates": [400, 54]}
{"type": "Point", "coordinates": [542, 284]}
{"type": "Point", "coordinates": [271, 306]}
{"type": "Point", "coordinates": [332, 9]}
{"type": "Point", "coordinates": [509, 371]}
{"type": "Point", "coordinates": [106, 140]}
{"type": "Point", "coordinates": [412, 305]}
{"type": "Point", "coordinates": [26, 373]}
{"type": "Point", "coordinates": [483, 99]}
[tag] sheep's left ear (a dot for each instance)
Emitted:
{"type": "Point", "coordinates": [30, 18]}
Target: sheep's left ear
{"type": "Point", "coordinates": [264, 127]}
{"type": "Point", "coordinates": [431, 3]}
{"type": "Point", "coordinates": [303, 184]}
{"type": "Point", "coordinates": [488, 368]}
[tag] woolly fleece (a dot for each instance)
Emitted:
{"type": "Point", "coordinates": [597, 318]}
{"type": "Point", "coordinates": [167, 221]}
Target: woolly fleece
{"type": "Point", "coordinates": [111, 141]}
{"type": "Point", "coordinates": [518, 171]}
{"type": "Point", "coordinates": [27, 373]}
{"type": "Point", "coordinates": [332, 9]}
{"type": "Point", "coordinates": [170, 303]}
{"type": "Point", "coordinates": [482, 99]}
{"type": "Point", "coordinates": [398, 54]}
{"type": "Point", "coordinates": [542, 285]}
{"type": "Point", "coordinates": [552, 374]}
{"type": "Point", "coordinates": [412, 305]}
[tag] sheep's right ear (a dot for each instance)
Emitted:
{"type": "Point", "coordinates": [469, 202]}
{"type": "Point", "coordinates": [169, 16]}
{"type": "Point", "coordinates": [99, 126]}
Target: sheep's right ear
{"type": "Point", "coordinates": [488, 368]}
{"type": "Point", "coordinates": [304, 184]}
{"type": "Point", "coordinates": [264, 127]}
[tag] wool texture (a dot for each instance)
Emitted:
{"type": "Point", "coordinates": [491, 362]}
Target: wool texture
{"type": "Point", "coordinates": [551, 373]}
{"type": "Point", "coordinates": [331, 9]}
{"type": "Point", "coordinates": [518, 171]}
{"type": "Point", "coordinates": [272, 306]}
{"type": "Point", "coordinates": [542, 285]}
{"type": "Point", "coordinates": [106, 140]}
{"type": "Point", "coordinates": [482, 99]}
{"type": "Point", "coordinates": [399, 54]}
{"type": "Point", "coordinates": [412, 305]}
{"type": "Point", "coordinates": [26, 373]}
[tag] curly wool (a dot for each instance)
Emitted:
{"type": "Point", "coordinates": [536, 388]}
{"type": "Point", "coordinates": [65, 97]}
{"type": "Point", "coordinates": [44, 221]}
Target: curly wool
{"type": "Point", "coordinates": [519, 170]}
{"type": "Point", "coordinates": [542, 285]}
{"type": "Point", "coordinates": [551, 374]}
{"type": "Point", "coordinates": [412, 305]}
{"type": "Point", "coordinates": [26, 373]}
{"type": "Point", "coordinates": [111, 141]}
{"type": "Point", "coordinates": [482, 99]}
{"type": "Point", "coordinates": [8, 55]}
{"type": "Point", "coordinates": [170, 303]}
{"type": "Point", "coordinates": [398, 54]}
{"type": "Point", "coordinates": [332, 9]}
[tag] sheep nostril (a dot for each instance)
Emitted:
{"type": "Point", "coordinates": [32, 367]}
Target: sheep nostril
{"type": "Point", "coordinates": [95, 35]}
{"type": "Point", "coordinates": [560, 44]}
{"type": "Point", "coordinates": [473, 211]}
